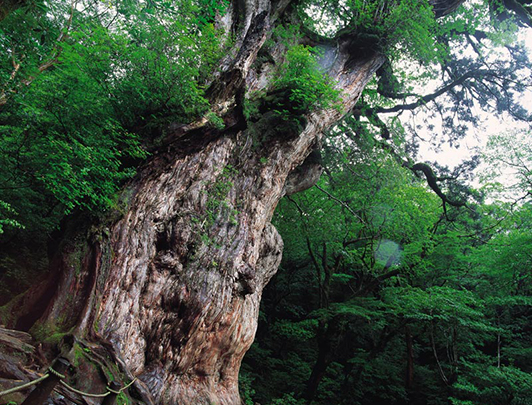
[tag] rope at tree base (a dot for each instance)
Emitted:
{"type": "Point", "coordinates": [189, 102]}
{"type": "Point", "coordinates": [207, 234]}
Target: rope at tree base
{"type": "Point", "coordinates": [28, 384]}
{"type": "Point", "coordinates": [70, 388]}
{"type": "Point", "coordinates": [85, 394]}
{"type": "Point", "coordinates": [109, 390]}
{"type": "Point", "coordinates": [51, 370]}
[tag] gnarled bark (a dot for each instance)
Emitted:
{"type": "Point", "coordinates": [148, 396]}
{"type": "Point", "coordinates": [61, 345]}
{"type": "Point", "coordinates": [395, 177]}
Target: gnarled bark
{"type": "Point", "coordinates": [180, 300]}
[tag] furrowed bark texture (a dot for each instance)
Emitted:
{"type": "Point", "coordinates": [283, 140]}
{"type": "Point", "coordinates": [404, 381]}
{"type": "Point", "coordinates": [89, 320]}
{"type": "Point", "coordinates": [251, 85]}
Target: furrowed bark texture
{"type": "Point", "coordinates": [192, 255]}
{"type": "Point", "coordinates": [172, 289]}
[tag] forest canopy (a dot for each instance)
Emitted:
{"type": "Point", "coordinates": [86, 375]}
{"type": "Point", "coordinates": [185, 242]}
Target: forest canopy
{"type": "Point", "coordinates": [403, 281]}
{"type": "Point", "coordinates": [88, 88]}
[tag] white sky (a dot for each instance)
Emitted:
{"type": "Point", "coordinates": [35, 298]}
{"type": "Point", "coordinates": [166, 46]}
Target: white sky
{"type": "Point", "coordinates": [477, 138]}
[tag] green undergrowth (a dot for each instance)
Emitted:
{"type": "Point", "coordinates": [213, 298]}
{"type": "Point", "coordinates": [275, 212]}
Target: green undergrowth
{"type": "Point", "coordinates": [308, 87]}
{"type": "Point", "coordinates": [71, 134]}
{"type": "Point", "coordinates": [298, 87]}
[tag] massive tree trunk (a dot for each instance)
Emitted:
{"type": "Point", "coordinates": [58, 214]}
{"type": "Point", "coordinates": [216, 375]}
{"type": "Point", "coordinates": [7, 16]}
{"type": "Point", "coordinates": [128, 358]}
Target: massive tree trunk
{"type": "Point", "coordinates": [171, 289]}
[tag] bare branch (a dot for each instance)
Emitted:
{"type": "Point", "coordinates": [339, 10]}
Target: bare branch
{"type": "Point", "coordinates": [343, 204]}
{"type": "Point", "coordinates": [432, 181]}
{"type": "Point", "coordinates": [430, 97]}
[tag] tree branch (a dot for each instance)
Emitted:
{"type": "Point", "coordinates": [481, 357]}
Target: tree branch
{"type": "Point", "coordinates": [46, 65]}
{"type": "Point", "coordinates": [520, 11]}
{"type": "Point", "coordinates": [343, 204]}
{"type": "Point", "coordinates": [430, 97]}
{"type": "Point", "coordinates": [432, 181]}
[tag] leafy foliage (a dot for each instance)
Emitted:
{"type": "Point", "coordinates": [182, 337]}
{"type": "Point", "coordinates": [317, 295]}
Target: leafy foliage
{"type": "Point", "coordinates": [384, 296]}
{"type": "Point", "coordinates": [308, 87]}
{"type": "Point", "coordinates": [86, 89]}
{"type": "Point", "coordinates": [408, 307]}
{"type": "Point", "coordinates": [82, 90]}
{"type": "Point", "coordinates": [403, 26]}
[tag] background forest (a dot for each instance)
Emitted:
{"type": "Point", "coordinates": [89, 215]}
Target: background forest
{"type": "Point", "coordinates": [402, 282]}
{"type": "Point", "coordinates": [384, 297]}
{"type": "Point", "coordinates": [393, 292]}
